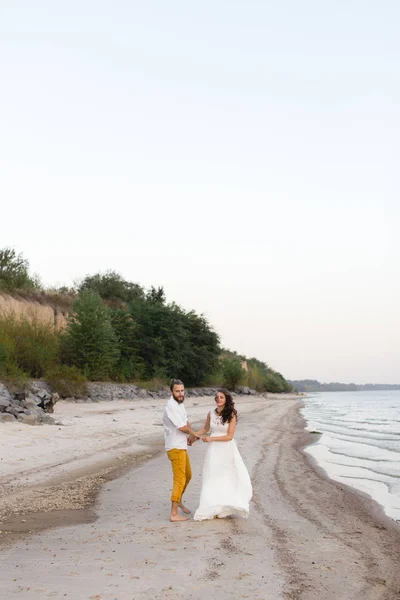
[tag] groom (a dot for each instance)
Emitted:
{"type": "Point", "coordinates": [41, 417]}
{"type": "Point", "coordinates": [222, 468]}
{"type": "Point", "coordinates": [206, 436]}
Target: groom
{"type": "Point", "coordinates": [176, 430]}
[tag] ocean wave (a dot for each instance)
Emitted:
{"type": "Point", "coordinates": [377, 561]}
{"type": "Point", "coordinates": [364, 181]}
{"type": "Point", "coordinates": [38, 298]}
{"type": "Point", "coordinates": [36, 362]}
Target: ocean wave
{"type": "Point", "coordinates": [360, 442]}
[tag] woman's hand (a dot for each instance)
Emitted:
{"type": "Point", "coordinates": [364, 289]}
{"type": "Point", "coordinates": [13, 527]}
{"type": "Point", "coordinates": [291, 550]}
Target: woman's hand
{"type": "Point", "coordinates": [206, 438]}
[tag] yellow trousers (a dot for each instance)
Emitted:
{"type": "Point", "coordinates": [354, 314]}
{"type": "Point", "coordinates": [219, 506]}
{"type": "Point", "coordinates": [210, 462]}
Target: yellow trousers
{"type": "Point", "coordinates": [182, 472]}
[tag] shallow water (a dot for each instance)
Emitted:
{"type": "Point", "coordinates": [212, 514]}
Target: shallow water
{"type": "Point", "coordinates": [360, 441]}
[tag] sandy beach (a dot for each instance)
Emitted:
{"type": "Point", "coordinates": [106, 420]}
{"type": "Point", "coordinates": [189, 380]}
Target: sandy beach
{"type": "Point", "coordinates": [84, 513]}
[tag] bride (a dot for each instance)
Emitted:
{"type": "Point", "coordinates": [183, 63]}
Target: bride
{"type": "Point", "coordinates": [226, 488]}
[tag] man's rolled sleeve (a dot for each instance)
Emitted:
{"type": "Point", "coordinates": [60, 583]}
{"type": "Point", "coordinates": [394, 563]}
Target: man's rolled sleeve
{"type": "Point", "coordinates": [175, 417]}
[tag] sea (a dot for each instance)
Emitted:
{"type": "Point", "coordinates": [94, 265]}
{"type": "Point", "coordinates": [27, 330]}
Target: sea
{"type": "Point", "coordinates": [360, 441]}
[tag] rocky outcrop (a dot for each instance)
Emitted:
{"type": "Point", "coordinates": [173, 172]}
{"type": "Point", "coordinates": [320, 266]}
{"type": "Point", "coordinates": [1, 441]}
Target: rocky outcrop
{"type": "Point", "coordinates": [243, 390]}
{"type": "Point", "coordinates": [128, 391]}
{"type": "Point", "coordinates": [31, 407]}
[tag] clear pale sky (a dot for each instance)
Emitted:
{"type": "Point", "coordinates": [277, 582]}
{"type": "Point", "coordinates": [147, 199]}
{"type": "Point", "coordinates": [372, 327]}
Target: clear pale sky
{"type": "Point", "coordinates": [244, 155]}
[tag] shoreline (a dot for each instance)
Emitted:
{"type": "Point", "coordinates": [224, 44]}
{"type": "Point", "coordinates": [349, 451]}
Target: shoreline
{"type": "Point", "coordinates": [375, 509]}
{"type": "Point", "coordinates": [319, 539]}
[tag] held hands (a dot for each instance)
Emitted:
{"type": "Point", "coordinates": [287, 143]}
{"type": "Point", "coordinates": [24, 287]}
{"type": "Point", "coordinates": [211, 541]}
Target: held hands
{"type": "Point", "coordinates": [192, 439]}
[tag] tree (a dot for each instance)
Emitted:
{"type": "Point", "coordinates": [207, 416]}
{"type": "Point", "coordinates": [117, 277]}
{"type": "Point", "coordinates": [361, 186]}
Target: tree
{"type": "Point", "coordinates": [14, 271]}
{"type": "Point", "coordinates": [112, 287]}
{"type": "Point", "coordinates": [129, 365]}
{"type": "Point", "coordinates": [156, 295]}
{"type": "Point", "coordinates": [173, 342]}
{"type": "Point", "coordinates": [204, 349]}
{"type": "Point", "coordinates": [232, 372]}
{"type": "Point", "coordinates": [90, 342]}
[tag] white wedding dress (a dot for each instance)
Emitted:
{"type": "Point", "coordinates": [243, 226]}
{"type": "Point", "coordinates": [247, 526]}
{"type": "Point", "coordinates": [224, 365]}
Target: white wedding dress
{"type": "Point", "coordinates": [226, 488]}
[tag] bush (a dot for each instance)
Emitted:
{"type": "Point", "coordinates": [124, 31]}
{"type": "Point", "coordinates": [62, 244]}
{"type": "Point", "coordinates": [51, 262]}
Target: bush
{"type": "Point", "coordinates": [68, 382]}
{"type": "Point", "coordinates": [30, 344]}
{"type": "Point", "coordinates": [14, 272]}
{"type": "Point", "coordinates": [89, 341]}
{"type": "Point", "coordinates": [12, 376]}
{"type": "Point", "coordinates": [232, 372]}
{"type": "Point", "coordinates": [256, 378]}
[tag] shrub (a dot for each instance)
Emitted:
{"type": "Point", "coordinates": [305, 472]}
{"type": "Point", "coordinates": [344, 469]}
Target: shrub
{"type": "Point", "coordinates": [14, 271]}
{"type": "Point", "coordinates": [256, 378]}
{"type": "Point", "coordinates": [30, 344]}
{"type": "Point", "coordinates": [67, 381]}
{"type": "Point", "coordinates": [232, 372]}
{"type": "Point", "coordinates": [12, 376]}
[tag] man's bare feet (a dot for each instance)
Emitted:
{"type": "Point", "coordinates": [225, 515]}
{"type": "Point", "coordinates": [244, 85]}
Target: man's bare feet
{"type": "Point", "coordinates": [177, 518]}
{"type": "Point", "coordinates": [183, 508]}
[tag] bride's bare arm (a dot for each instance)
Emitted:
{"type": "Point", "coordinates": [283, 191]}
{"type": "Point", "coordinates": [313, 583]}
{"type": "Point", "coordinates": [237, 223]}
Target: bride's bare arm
{"type": "Point", "coordinates": [224, 438]}
{"type": "Point", "coordinates": [206, 427]}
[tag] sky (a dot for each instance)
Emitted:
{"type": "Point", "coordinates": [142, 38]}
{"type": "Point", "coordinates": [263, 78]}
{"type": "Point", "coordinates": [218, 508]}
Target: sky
{"type": "Point", "coordinates": [243, 155]}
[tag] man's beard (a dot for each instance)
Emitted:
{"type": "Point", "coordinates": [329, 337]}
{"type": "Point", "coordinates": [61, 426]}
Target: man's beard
{"type": "Point", "coordinates": [178, 399]}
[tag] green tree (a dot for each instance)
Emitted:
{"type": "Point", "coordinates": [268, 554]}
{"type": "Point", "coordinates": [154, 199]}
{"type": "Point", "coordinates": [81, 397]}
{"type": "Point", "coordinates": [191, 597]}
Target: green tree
{"type": "Point", "coordinates": [172, 342]}
{"type": "Point", "coordinates": [161, 339]}
{"type": "Point", "coordinates": [203, 349]}
{"type": "Point", "coordinates": [129, 365]}
{"type": "Point", "coordinates": [112, 287]}
{"type": "Point", "coordinates": [156, 295]}
{"type": "Point", "coordinates": [90, 342]}
{"type": "Point", "coordinates": [232, 372]}
{"type": "Point", "coordinates": [14, 272]}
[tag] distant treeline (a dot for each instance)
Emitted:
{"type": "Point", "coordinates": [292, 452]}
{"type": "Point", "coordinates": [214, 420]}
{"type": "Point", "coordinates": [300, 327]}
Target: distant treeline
{"type": "Point", "coordinates": [117, 331]}
{"type": "Point", "coordinates": [312, 385]}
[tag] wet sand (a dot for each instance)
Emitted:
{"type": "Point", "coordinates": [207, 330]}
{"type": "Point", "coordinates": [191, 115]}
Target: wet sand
{"type": "Point", "coordinates": [307, 538]}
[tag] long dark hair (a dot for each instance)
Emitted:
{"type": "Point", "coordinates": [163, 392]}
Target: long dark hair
{"type": "Point", "coordinates": [229, 409]}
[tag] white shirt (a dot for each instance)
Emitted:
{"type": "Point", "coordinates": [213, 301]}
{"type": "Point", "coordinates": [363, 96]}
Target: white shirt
{"type": "Point", "coordinates": [175, 416]}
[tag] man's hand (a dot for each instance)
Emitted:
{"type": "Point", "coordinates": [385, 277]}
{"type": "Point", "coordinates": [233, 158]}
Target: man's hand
{"type": "Point", "coordinates": [191, 440]}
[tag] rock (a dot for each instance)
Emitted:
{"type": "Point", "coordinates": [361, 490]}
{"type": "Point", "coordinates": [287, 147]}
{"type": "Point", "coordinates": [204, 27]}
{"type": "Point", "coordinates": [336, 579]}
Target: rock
{"type": "Point", "coordinates": [244, 390]}
{"type": "Point", "coordinates": [30, 401]}
{"type": "Point", "coordinates": [87, 399]}
{"type": "Point", "coordinates": [36, 387]}
{"type": "Point", "coordinates": [30, 408]}
{"type": "Point", "coordinates": [48, 420]}
{"type": "Point", "coordinates": [6, 417]}
{"type": "Point", "coordinates": [29, 419]}
{"type": "Point", "coordinates": [4, 403]}
{"type": "Point", "coordinates": [5, 396]}
{"type": "Point", "coordinates": [14, 410]}
{"type": "Point", "coordinates": [33, 410]}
